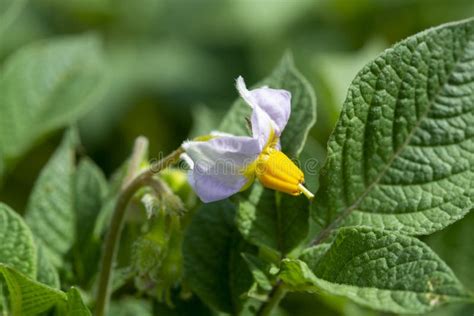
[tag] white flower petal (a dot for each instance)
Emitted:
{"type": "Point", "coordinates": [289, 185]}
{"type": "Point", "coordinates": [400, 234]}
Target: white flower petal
{"type": "Point", "coordinates": [219, 134]}
{"type": "Point", "coordinates": [275, 103]}
{"type": "Point", "coordinates": [218, 165]}
{"type": "Point", "coordinates": [262, 126]}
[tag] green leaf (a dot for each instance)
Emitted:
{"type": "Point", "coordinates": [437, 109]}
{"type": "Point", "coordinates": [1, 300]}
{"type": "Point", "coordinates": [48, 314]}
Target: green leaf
{"type": "Point", "coordinates": [28, 297]}
{"type": "Point", "coordinates": [453, 310]}
{"type": "Point", "coordinates": [75, 305]}
{"type": "Point", "coordinates": [312, 255]}
{"type": "Point", "coordinates": [90, 187]}
{"type": "Point", "coordinates": [214, 268]}
{"type": "Point", "coordinates": [17, 248]}
{"type": "Point", "coordinates": [50, 210]}
{"type": "Point", "coordinates": [9, 11]}
{"type": "Point", "coordinates": [311, 161]}
{"type": "Point", "coordinates": [380, 270]}
{"type": "Point", "coordinates": [45, 86]}
{"type": "Point", "coordinates": [113, 188]}
{"type": "Point", "coordinates": [273, 220]}
{"type": "Point", "coordinates": [454, 245]}
{"type": "Point", "coordinates": [90, 190]}
{"type": "Point", "coordinates": [303, 108]}
{"type": "Point", "coordinates": [259, 270]}
{"type": "Point", "coordinates": [46, 272]}
{"type": "Point", "coordinates": [401, 156]}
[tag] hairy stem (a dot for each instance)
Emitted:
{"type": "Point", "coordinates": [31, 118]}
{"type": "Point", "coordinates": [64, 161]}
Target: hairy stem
{"type": "Point", "coordinates": [274, 297]}
{"type": "Point", "coordinates": [132, 183]}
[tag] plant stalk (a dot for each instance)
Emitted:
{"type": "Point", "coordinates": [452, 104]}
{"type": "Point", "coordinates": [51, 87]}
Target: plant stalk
{"type": "Point", "coordinates": [274, 297]}
{"type": "Point", "coordinates": [132, 183]}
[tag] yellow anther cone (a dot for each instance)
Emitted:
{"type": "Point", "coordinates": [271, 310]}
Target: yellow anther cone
{"type": "Point", "coordinates": [276, 171]}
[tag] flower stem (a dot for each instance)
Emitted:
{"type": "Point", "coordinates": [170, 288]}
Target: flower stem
{"type": "Point", "coordinates": [140, 148]}
{"type": "Point", "coordinates": [132, 183]}
{"type": "Point", "coordinates": [274, 297]}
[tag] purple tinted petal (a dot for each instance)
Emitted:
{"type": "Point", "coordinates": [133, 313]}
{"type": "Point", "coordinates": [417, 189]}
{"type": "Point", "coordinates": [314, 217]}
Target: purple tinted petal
{"type": "Point", "coordinates": [218, 165]}
{"type": "Point", "coordinates": [276, 103]}
{"type": "Point", "coordinates": [262, 126]}
{"type": "Point", "coordinates": [213, 188]}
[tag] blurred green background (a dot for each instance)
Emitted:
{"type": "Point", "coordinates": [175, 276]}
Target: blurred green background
{"type": "Point", "coordinates": [171, 67]}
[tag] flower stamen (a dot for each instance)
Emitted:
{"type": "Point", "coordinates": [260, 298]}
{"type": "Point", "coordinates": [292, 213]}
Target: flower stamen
{"type": "Point", "coordinates": [276, 171]}
{"type": "Point", "coordinates": [305, 191]}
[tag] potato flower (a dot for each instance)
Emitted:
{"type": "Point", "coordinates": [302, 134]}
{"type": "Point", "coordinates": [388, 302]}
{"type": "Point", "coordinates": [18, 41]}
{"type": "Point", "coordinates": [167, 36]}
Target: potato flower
{"type": "Point", "coordinates": [223, 164]}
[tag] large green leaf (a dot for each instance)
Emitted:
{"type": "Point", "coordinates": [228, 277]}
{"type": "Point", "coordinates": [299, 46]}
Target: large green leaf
{"type": "Point", "coordinates": [17, 248]}
{"type": "Point", "coordinates": [273, 220]}
{"type": "Point", "coordinates": [50, 210]}
{"type": "Point", "coordinates": [45, 86]}
{"type": "Point", "coordinates": [214, 268]}
{"type": "Point", "coordinates": [303, 107]}
{"type": "Point", "coordinates": [28, 297]}
{"type": "Point", "coordinates": [381, 270]}
{"type": "Point", "coordinates": [402, 154]}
